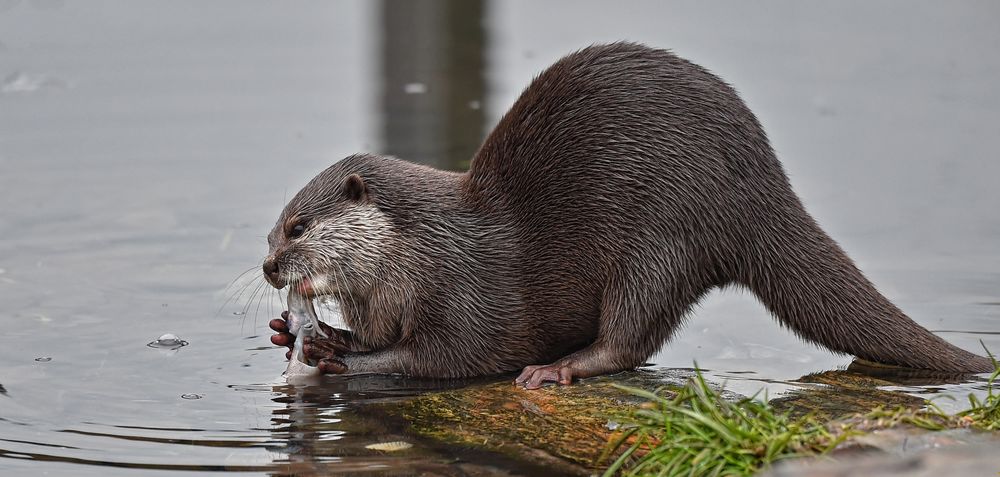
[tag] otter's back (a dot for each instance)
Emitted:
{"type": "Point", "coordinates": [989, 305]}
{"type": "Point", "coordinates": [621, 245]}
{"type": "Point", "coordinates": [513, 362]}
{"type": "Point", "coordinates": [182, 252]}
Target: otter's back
{"type": "Point", "coordinates": [626, 134]}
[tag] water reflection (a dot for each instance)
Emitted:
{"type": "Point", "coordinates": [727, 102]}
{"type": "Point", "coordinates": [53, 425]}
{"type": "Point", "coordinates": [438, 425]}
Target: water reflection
{"type": "Point", "coordinates": [433, 80]}
{"type": "Point", "coordinates": [331, 427]}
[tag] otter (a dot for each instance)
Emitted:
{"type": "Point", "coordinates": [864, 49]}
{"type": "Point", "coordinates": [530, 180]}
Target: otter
{"type": "Point", "coordinates": [622, 186]}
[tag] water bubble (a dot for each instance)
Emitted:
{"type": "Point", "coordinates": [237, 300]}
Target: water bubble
{"type": "Point", "coordinates": [192, 396]}
{"type": "Point", "coordinates": [43, 359]}
{"type": "Point", "coordinates": [475, 105]}
{"type": "Point", "coordinates": [168, 341]}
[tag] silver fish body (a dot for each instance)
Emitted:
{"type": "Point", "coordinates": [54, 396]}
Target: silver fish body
{"type": "Point", "coordinates": [302, 322]}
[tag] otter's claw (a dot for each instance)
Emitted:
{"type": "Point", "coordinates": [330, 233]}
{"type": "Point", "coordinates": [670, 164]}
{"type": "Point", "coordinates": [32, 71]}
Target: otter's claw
{"type": "Point", "coordinates": [534, 376]}
{"type": "Point", "coordinates": [332, 366]}
{"type": "Point", "coordinates": [322, 348]}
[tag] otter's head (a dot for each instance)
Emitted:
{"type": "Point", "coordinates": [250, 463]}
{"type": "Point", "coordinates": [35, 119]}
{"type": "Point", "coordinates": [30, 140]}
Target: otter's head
{"type": "Point", "coordinates": [330, 238]}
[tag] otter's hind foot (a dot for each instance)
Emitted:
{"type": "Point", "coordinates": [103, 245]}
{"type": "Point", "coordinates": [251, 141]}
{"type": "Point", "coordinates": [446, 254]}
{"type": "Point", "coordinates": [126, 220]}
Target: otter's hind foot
{"type": "Point", "coordinates": [534, 376]}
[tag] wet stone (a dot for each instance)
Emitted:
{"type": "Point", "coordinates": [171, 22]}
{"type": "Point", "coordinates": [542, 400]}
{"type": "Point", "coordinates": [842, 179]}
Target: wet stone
{"type": "Point", "coordinates": [565, 427]}
{"type": "Point", "coordinates": [569, 427]}
{"type": "Point", "coordinates": [842, 393]}
{"type": "Point", "coordinates": [909, 452]}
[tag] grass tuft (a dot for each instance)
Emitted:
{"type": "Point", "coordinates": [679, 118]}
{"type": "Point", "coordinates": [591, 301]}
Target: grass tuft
{"type": "Point", "coordinates": [698, 432]}
{"type": "Point", "coordinates": [985, 413]}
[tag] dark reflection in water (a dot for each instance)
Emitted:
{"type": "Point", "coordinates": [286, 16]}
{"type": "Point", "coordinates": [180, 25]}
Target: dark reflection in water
{"type": "Point", "coordinates": [433, 85]}
{"type": "Point", "coordinates": [327, 428]}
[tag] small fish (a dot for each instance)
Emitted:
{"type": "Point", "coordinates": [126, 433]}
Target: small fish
{"type": "Point", "coordinates": [302, 322]}
{"type": "Point", "coordinates": [389, 446]}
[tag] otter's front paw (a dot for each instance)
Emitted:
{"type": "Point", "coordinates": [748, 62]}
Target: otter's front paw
{"type": "Point", "coordinates": [332, 366]}
{"type": "Point", "coordinates": [282, 337]}
{"type": "Point", "coordinates": [327, 352]}
{"type": "Point", "coordinates": [337, 344]}
{"type": "Point", "coordinates": [340, 340]}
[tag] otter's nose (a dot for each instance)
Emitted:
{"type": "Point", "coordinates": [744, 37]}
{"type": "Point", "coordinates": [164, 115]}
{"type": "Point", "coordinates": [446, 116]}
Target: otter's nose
{"type": "Point", "coordinates": [271, 270]}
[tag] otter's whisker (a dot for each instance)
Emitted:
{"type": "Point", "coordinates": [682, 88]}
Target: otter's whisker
{"type": "Point", "coordinates": [246, 306]}
{"type": "Point", "coordinates": [255, 284]}
{"type": "Point", "coordinates": [234, 280]}
{"type": "Point", "coordinates": [260, 298]}
{"type": "Point", "coordinates": [235, 295]}
{"type": "Point", "coordinates": [243, 310]}
{"type": "Point", "coordinates": [338, 283]}
{"type": "Point", "coordinates": [257, 290]}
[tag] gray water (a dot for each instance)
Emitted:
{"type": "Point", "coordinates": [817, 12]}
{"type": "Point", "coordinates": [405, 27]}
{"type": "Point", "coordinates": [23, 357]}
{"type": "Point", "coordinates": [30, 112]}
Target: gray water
{"type": "Point", "coordinates": [147, 147]}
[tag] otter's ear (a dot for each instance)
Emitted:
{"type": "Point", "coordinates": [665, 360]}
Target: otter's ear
{"type": "Point", "coordinates": [355, 188]}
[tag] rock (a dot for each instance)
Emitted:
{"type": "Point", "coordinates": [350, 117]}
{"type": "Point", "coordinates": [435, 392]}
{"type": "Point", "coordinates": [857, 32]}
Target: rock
{"type": "Point", "coordinates": [906, 452]}
{"type": "Point", "coordinates": [567, 427]}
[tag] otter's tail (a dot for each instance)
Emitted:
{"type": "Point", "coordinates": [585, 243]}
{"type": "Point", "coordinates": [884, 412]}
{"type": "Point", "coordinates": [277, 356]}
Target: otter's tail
{"type": "Point", "coordinates": [814, 288]}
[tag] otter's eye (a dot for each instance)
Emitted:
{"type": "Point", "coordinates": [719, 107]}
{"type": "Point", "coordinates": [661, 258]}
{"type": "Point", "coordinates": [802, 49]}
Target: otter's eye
{"type": "Point", "coordinates": [297, 230]}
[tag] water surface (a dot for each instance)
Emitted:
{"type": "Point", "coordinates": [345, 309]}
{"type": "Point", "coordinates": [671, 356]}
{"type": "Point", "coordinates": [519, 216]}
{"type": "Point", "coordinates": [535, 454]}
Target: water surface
{"type": "Point", "coordinates": [146, 149]}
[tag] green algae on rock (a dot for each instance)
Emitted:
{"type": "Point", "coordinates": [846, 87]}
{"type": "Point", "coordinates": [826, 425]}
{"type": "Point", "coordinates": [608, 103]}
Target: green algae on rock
{"type": "Point", "coordinates": [614, 423]}
{"type": "Point", "coordinates": [568, 426]}
{"type": "Point", "coordinates": [697, 432]}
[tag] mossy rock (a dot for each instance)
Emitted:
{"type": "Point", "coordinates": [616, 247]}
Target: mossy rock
{"type": "Point", "coordinates": [570, 426]}
{"type": "Point", "coordinates": [835, 394]}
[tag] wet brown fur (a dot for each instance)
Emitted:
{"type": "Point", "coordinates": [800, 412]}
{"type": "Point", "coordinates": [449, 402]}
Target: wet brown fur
{"type": "Point", "coordinates": [622, 186]}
